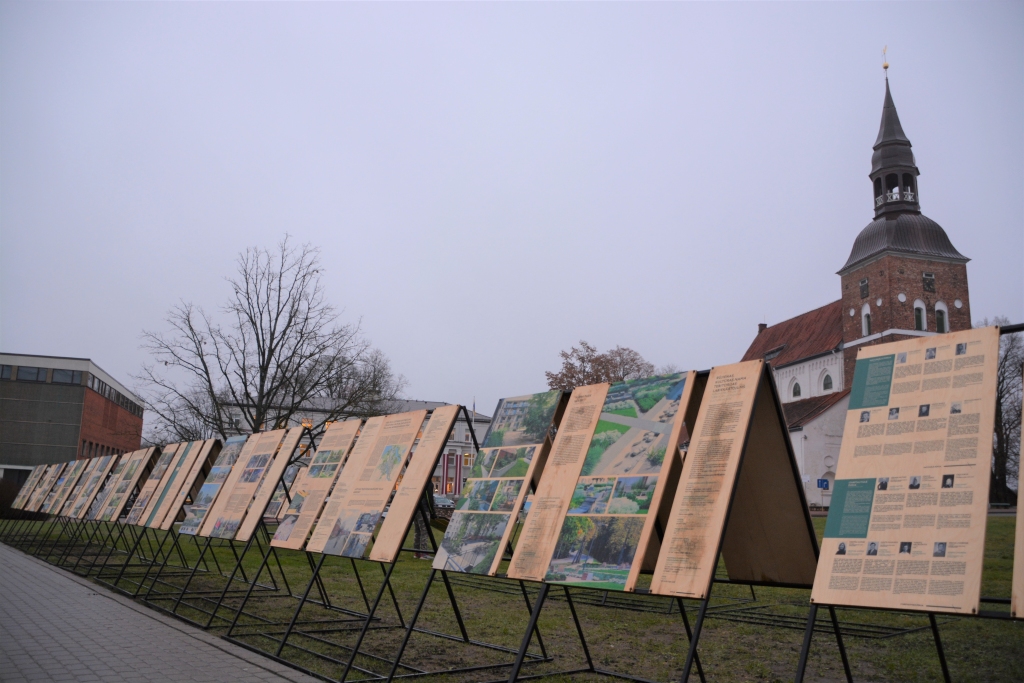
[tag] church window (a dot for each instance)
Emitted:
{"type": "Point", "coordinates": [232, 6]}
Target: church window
{"type": "Point", "coordinates": [796, 390]}
{"type": "Point", "coordinates": [920, 319]}
{"type": "Point", "coordinates": [864, 293]}
{"type": "Point", "coordinates": [826, 384]}
{"type": "Point", "coordinates": [941, 318]}
{"type": "Point", "coordinates": [865, 320]}
{"type": "Point", "coordinates": [892, 187]}
{"type": "Point", "coordinates": [908, 187]}
{"type": "Point", "coordinates": [928, 282]}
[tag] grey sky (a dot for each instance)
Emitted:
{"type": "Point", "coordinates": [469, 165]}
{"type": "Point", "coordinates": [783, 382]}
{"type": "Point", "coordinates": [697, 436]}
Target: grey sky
{"type": "Point", "coordinates": [490, 182]}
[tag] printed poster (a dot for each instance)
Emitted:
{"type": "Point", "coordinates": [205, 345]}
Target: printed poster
{"type": "Point", "coordinates": [124, 484]}
{"type": "Point", "coordinates": [543, 526]}
{"type": "Point", "coordinates": [183, 460]}
{"type": "Point", "coordinates": [29, 487]}
{"type": "Point", "coordinates": [314, 484]}
{"type": "Point", "coordinates": [413, 483]}
{"type": "Point", "coordinates": [697, 521]}
{"type": "Point", "coordinates": [202, 453]}
{"type": "Point", "coordinates": [48, 481]}
{"type": "Point", "coordinates": [91, 488]}
{"type": "Point", "coordinates": [906, 526]}
{"type": "Point", "coordinates": [90, 467]}
{"type": "Point", "coordinates": [65, 486]}
{"type": "Point", "coordinates": [366, 484]}
{"type": "Point", "coordinates": [498, 483]}
{"type": "Point", "coordinates": [154, 483]}
{"type": "Point", "coordinates": [229, 454]}
{"type": "Point", "coordinates": [241, 487]}
{"type": "Point", "coordinates": [270, 483]}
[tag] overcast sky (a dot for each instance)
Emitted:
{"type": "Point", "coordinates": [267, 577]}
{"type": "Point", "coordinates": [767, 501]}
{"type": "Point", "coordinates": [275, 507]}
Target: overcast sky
{"type": "Point", "coordinates": [660, 176]}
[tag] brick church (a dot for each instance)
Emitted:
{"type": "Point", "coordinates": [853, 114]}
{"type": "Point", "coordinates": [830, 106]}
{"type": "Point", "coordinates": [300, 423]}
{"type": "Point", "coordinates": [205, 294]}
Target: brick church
{"type": "Point", "coordinates": [903, 278]}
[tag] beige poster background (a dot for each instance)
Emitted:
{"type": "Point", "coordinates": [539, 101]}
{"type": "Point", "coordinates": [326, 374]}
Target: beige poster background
{"type": "Point", "coordinates": [205, 453]}
{"type": "Point", "coordinates": [90, 468]}
{"type": "Point", "coordinates": [46, 484]}
{"type": "Point", "coordinates": [906, 529]}
{"type": "Point", "coordinates": [363, 499]}
{"type": "Point", "coordinates": [71, 475]}
{"type": "Point", "coordinates": [344, 482]}
{"type": "Point", "coordinates": [690, 548]}
{"type": "Point", "coordinates": [136, 467]}
{"type": "Point", "coordinates": [234, 449]}
{"type": "Point", "coordinates": [154, 483]}
{"type": "Point", "coordinates": [554, 492]}
{"type": "Point", "coordinates": [236, 497]}
{"type": "Point", "coordinates": [29, 487]}
{"type": "Point", "coordinates": [168, 490]}
{"type": "Point", "coordinates": [414, 480]}
{"type": "Point", "coordinates": [313, 483]}
{"type": "Point", "coordinates": [269, 484]}
{"type": "Point", "coordinates": [220, 503]}
{"type": "Point", "coordinates": [92, 486]}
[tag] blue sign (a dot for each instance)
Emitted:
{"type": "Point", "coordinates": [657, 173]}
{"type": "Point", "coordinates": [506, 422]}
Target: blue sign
{"type": "Point", "coordinates": [823, 484]}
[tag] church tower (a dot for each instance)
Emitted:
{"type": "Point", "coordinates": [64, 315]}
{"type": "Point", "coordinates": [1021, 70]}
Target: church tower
{"type": "Point", "coordinates": [904, 277]}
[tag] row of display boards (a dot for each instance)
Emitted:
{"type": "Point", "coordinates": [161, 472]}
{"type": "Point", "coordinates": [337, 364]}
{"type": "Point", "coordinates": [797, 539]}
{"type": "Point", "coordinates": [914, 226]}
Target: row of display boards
{"type": "Point", "coordinates": [662, 476]}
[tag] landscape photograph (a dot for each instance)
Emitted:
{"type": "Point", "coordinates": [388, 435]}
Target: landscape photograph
{"type": "Point", "coordinates": [595, 551]}
{"type": "Point", "coordinates": [471, 542]}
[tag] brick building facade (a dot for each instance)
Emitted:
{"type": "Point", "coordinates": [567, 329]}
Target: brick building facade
{"type": "Point", "coordinates": [56, 409]}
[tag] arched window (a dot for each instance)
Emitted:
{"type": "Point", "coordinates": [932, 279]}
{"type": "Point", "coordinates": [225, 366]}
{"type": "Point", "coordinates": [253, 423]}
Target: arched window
{"type": "Point", "coordinates": [941, 317]}
{"type": "Point", "coordinates": [826, 384]}
{"type": "Point", "coordinates": [865, 320]}
{"type": "Point", "coordinates": [796, 389]}
{"type": "Point", "coordinates": [892, 187]}
{"type": "Point", "coordinates": [920, 320]}
{"type": "Point", "coordinates": [908, 187]}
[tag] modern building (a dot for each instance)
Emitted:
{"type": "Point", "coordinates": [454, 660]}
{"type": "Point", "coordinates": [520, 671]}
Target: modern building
{"type": "Point", "coordinates": [55, 409]}
{"type": "Point", "coordinates": [903, 279]}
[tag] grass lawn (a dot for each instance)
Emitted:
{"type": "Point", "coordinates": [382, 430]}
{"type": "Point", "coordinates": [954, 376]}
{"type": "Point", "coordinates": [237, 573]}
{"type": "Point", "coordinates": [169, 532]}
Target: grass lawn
{"type": "Point", "coordinates": [651, 645]}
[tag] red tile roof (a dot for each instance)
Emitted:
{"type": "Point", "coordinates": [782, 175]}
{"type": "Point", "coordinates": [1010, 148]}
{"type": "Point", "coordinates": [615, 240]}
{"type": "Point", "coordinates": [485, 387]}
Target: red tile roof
{"type": "Point", "coordinates": [799, 413]}
{"type": "Point", "coordinates": [810, 334]}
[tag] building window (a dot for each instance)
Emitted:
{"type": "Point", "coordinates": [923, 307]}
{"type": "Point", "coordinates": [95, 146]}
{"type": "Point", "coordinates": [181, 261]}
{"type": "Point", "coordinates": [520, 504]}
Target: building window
{"type": "Point", "coordinates": [864, 293]}
{"type": "Point", "coordinates": [67, 377]}
{"type": "Point", "coordinates": [467, 459]}
{"type": "Point", "coordinates": [941, 318]}
{"type": "Point", "coordinates": [865, 320]}
{"type": "Point", "coordinates": [920, 318]}
{"type": "Point", "coordinates": [5, 371]}
{"type": "Point", "coordinates": [826, 384]}
{"type": "Point", "coordinates": [796, 390]}
{"type": "Point", "coordinates": [27, 374]}
{"type": "Point", "coordinates": [928, 282]}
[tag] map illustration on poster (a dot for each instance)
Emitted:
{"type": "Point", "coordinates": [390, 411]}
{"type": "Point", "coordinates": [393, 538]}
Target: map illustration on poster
{"type": "Point", "coordinates": [498, 482]}
{"type": "Point", "coordinates": [212, 485]}
{"type": "Point", "coordinates": [906, 528]}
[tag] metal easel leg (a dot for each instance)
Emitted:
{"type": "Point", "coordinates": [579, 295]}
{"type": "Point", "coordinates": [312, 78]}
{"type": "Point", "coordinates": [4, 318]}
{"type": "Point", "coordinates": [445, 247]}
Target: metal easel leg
{"type": "Point", "coordinates": [691, 653]}
{"type": "Point", "coordinates": [248, 592]}
{"type": "Point", "coordinates": [839, 642]}
{"type": "Point", "coordinates": [188, 581]}
{"type": "Point", "coordinates": [579, 628]}
{"type": "Point", "coordinates": [369, 617]}
{"type": "Point", "coordinates": [298, 608]}
{"type": "Point", "coordinates": [805, 649]}
{"type": "Point", "coordinates": [938, 648]}
{"type": "Point", "coordinates": [689, 636]}
{"type": "Point", "coordinates": [528, 635]}
{"type": "Point", "coordinates": [411, 626]}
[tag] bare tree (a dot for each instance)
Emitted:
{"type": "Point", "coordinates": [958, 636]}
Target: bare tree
{"type": "Point", "coordinates": [280, 355]}
{"type": "Point", "coordinates": [584, 365]}
{"type": "Point", "coordinates": [1009, 389]}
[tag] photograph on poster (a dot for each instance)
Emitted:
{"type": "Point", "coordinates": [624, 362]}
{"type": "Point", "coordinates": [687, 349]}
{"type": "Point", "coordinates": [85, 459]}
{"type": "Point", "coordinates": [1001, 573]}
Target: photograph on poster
{"type": "Point", "coordinates": [351, 533]}
{"type": "Point", "coordinates": [477, 494]}
{"type": "Point", "coordinates": [595, 551]}
{"type": "Point", "coordinates": [522, 420]}
{"type": "Point", "coordinates": [471, 542]}
{"type": "Point", "coordinates": [212, 485]}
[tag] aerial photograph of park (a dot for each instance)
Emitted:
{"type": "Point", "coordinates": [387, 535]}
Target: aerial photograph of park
{"type": "Point", "coordinates": [522, 420]}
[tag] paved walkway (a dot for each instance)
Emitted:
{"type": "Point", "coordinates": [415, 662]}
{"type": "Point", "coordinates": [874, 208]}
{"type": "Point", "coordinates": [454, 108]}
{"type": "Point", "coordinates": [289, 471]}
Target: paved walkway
{"type": "Point", "coordinates": [55, 626]}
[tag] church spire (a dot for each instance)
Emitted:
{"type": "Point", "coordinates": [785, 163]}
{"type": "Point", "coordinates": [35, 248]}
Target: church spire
{"type": "Point", "coordinates": [893, 169]}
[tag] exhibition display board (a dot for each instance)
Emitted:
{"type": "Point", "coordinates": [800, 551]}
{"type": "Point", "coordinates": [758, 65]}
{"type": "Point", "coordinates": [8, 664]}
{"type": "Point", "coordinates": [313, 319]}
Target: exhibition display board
{"type": "Point", "coordinates": [155, 482]}
{"type": "Point", "coordinates": [501, 477]}
{"type": "Point", "coordinates": [312, 485]}
{"type": "Point", "coordinates": [91, 488]}
{"type": "Point", "coordinates": [906, 528]}
{"type": "Point", "coordinates": [270, 483]}
{"type": "Point", "coordinates": [413, 483]}
{"type": "Point", "coordinates": [365, 485]}
{"type": "Point", "coordinates": [279, 501]}
{"type": "Point", "coordinates": [207, 452]}
{"type": "Point", "coordinates": [739, 495]}
{"type": "Point", "coordinates": [136, 466]}
{"type": "Point", "coordinates": [64, 486]}
{"type": "Point", "coordinates": [234, 448]}
{"type": "Point", "coordinates": [46, 483]}
{"type": "Point", "coordinates": [168, 490]}
{"type": "Point", "coordinates": [28, 487]}
{"type": "Point", "coordinates": [229, 509]}
{"type": "Point", "coordinates": [90, 466]}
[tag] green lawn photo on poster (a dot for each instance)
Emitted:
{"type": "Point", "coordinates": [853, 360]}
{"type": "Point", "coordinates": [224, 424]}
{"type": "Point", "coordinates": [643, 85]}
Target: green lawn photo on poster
{"type": "Point", "coordinates": [596, 552]}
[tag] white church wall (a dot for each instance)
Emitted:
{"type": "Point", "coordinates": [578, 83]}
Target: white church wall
{"type": "Point", "coordinates": [810, 376]}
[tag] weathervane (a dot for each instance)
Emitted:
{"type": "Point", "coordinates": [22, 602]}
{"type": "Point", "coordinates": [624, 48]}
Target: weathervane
{"type": "Point", "coordinates": [885, 62]}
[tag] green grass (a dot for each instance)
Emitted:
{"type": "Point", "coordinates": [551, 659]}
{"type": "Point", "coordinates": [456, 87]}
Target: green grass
{"type": "Point", "coordinates": [629, 411]}
{"type": "Point", "coordinates": [646, 644]}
